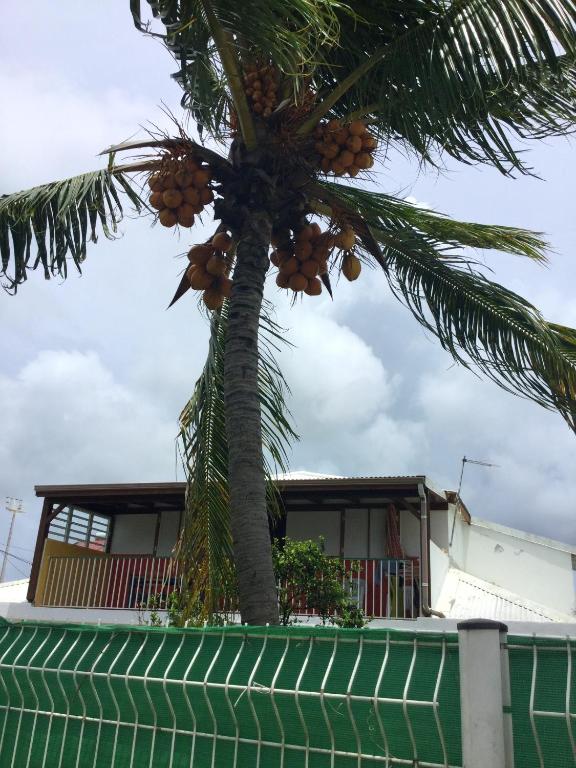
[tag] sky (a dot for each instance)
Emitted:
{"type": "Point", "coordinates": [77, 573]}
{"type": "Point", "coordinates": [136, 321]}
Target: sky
{"type": "Point", "coordinates": [94, 370]}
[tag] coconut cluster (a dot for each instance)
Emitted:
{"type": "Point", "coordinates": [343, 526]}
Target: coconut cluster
{"type": "Point", "coordinates": [302, 258]}
{"type": "Point", "coordinates": [209, 269]}
{"type": "Point", "coordinates": [261, 86]}
{"type": "Point", "coordinates": [180, 190]}
{"type": "Point", "coordinates": [344, 148]}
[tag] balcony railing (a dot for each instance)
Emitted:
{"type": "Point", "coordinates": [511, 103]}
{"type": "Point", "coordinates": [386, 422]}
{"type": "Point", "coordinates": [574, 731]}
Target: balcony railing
{"type": "Point", "coordinates": [383, 588]}
{"type": "Point", "coordinates": [110, 581]}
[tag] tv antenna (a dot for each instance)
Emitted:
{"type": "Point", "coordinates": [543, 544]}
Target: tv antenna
{"type": "Point", "coordinates": [14, 506]}
{"type": "Point", "coordinates": [466, 460]}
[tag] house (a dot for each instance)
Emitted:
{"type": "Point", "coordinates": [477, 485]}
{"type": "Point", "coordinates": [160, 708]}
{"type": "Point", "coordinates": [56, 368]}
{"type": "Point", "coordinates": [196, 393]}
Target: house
{"type": "Point", "coordinates": [412, 551]}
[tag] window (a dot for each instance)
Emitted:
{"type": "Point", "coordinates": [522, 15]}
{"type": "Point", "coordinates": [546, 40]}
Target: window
{"type": "Point", "coordinates": [76, 526]}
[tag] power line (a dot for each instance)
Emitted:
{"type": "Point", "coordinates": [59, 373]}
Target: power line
{"type": "Point", "coordinates": [13, 546]}
{"type": "Point", "coordinates": [9, 554]}
{"type": "Point", "coordinates": [26, 575]}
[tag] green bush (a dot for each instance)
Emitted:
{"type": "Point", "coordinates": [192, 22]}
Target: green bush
{"type": "Point", "coordinates": [307, 576]}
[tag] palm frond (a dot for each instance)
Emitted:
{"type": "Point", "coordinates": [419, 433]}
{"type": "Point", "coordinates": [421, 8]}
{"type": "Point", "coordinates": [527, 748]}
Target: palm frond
{"type": "Point", "coordinates": [46, 226]}
{"type": "Point", "coordinates": [291, 35]}
{"type": "Point", "coordinates": [462, 77]}
{"type": "Point", "coordinates": [481, 323]}
{"type": "Point", "coordinates": [206, 544]}
{"type": "Point", "coordinates": [440, 229]}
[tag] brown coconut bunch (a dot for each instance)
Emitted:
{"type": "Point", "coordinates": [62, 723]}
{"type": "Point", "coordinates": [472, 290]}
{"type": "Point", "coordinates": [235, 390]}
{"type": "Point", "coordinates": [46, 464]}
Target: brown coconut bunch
{"type": "Point", "coordinates": [180, 190]}
{"type": "Point", "coordinates": [208, 270]}
{"type": "Point", "coordinates": [344, 149]}
{"type": "Point", "coordinates": [261, 87]}
{"type": "Point", "coordinates": [302, 258]}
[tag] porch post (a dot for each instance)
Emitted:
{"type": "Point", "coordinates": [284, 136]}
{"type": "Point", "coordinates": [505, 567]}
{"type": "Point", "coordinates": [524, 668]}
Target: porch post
{"type": "Point", "coordinates": [39, 548]}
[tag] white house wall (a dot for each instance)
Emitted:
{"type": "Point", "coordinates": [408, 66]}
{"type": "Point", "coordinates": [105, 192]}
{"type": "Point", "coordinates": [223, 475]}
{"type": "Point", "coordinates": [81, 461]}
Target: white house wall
{"type": "Point", "coordinates": [439, 566]}
{"type": "Point", "coordinates": [527, 568]}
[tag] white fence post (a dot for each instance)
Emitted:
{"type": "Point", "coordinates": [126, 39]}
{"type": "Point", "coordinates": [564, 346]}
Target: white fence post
{"type": "Point", "coordinates": [485, 695]}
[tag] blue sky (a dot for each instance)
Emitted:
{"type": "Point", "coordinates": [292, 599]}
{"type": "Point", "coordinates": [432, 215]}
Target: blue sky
{"type": "Point", "coordinates": [93, 372]}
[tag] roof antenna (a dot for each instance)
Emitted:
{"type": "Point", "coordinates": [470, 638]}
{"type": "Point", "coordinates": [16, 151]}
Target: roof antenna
{"type": "Point", "coordinates": [465, 460]}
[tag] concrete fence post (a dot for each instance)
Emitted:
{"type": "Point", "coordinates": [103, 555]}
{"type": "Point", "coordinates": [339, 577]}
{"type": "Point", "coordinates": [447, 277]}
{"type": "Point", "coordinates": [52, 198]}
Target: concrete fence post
{"type": "Point", "coordinates": [485, 695]}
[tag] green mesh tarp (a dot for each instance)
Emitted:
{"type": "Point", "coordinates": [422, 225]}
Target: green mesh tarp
{"type": "Point", "coordinates": [294, 697]}
{"type": "Point", "coordinates": [543, 686]}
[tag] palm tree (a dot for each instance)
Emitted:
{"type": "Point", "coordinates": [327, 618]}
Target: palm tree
{"type": "Point", "coordinates": [295, 93]}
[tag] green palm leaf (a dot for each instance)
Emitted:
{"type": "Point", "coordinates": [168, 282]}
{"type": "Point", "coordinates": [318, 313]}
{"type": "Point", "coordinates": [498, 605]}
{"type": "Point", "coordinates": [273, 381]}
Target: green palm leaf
{"type": "Point", "coordinates": [206, 546]}
{"type": "Point", "coordinates": [478, 321]}
{"type": "Point", "coordinates": [47, 225]}
{"type": "Point", "coordinates": [462, 77]}
{"type": "Point", "coordinates": [289, 34]}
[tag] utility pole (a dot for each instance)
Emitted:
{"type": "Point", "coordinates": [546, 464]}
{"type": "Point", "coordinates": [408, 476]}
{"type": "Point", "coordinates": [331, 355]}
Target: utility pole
{"type": "Point", "coordinates": [14, 506]}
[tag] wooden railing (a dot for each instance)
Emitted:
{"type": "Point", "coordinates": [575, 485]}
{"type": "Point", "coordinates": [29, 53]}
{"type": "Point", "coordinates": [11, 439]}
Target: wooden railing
{"type": "Point", "coordinates": [383, 588]}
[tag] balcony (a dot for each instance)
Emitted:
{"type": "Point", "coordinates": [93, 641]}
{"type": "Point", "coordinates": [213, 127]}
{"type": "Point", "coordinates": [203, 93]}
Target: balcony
{"type": "Point", "coordinates": [383, 588]}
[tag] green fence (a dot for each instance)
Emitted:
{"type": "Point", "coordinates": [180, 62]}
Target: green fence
{"type": "Point", "coordinates": [80, 696]}
{"type": "Point", "coordinates": [543, 685]}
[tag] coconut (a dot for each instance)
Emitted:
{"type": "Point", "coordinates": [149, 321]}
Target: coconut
{"type": "Point", "coordinates": [282, 280]}
{"type": "Point", "coordinates": [369, 142]}
{"type": "Point", "coordinates": [200, 279]}
{"type": "Point", "coordinates": [274, 259]}
{"type": "Point", "coordinates": [363, 160]}
{"type": "Point", "coordinates": [309, 268]}
{"type": "Point", "coordinates": [156, 200]}
{"type": "Point", "coordinates": [224, 285]}
{"type": "Point", "coordinates": [357, 128]}
{"type": "Point", "coordinates": [191, 165]}
{"type": "Point", "coordinates": [314, 287]}
{"type": "Point", "coordinates": [202, 177]}
{"type": "Point", "coordinates": [325, 164]}
{"type": "Point", "coordinates": [353, 170]}
{"type": "Point", "coordinates": [183, 178]}
{"type": "Point", "coordinates": [216, 265]}
{"type": "Point", "coordinates": [168, 181]}
{"type": "Point", "coordinates": [303, 251]}
{"type": "Point", "coordinates": [304, 234]}
{"type": "Point", "coordinates": [323, 267]}
{"type": "Point", "coordinates": [333, 125]}
{"type": "Point", "coordinates": [331, 151]}
{"type": "Point", "coordinates": [316, 231]}
{"type": "Point", "coordinates": [290, 267]}
{"type": "Point", "coordinates": [298, 282]}
{"type": "Point", "coordinates": [172, 198]}
{"type": "Point", "coordinates": [185, 214]}
{"type": "Point", "coordinates": [284, 254]}
{"type": "Point", "coordinates": [341, 136]}
{"type": "Point", "coordinates": [345, 158]}
{"type": "Point", "coordinates": [206, 196]}
{"type": "Point", "coordinates": [346, 239]}
{"type": "Point", "coordinates": [168, 217]}
{"type": "Point", "coordinates": [191, 195]}
{"type": "Point", "coordinates": [351, 266]}
{"type": "Point", "coordinates": [337, 168]}
{"type": "Point", "coordinates": [155, 182]}
{"type": "Point", "coordinates": [200, 254]}
{"type": "Point", "coordinates": [190, 271]}
{"type": "Point", "coordinates": [213, 299]}
{"type": "Point", "coordinates": [222, 241]}
{"type": "Point", "coordinates": [354, 144]}
{"type": "Point", "coordinates": [320, 253]}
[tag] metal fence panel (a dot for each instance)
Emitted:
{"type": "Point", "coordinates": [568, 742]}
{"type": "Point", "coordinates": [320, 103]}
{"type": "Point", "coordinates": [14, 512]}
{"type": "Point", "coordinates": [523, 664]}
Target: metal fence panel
{"type": "Point", "coordinates": [290, 697]}
{"type": "Point", "coordinates": [543, 683]}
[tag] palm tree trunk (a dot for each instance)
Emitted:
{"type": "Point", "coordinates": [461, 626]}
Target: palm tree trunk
{"type": "Point", "coordinates": [248, 512]}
